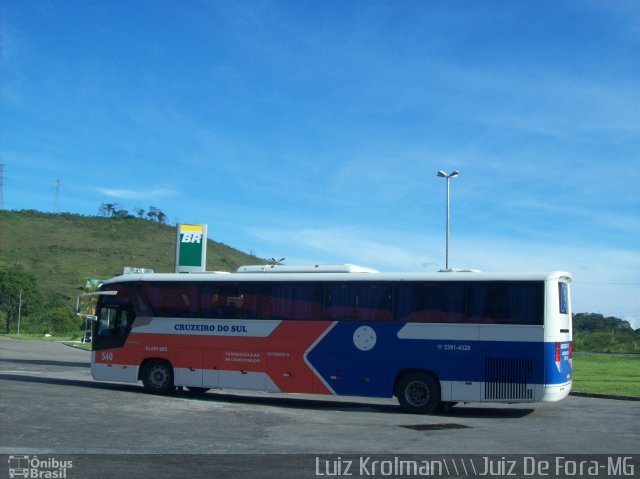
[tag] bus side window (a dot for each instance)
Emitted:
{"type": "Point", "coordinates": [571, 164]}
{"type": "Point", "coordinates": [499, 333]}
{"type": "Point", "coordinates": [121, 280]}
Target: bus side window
{"type": "Point", "coordinates": [487, 303]}
{"type": "Point", "coordinates": [563, 291]}
{"type": "Point", "coordinates": [290, 301]}
{"type": "Point", "coordinates": [430, 302]}
{"type": "Point", "coordinates": [341, 302]}
{"type": "Point", "coordinates": [172, 299]}
{"type": "Point", "coordinates": [215, 301]}
{"type": "Point", "coordinates": [507, 303]}
{"type": "Point", "coordinates": [358, 302]}
{"type": "Point", "coordinates": [229, 301]}
{"type": "Point", "coordinates": [374, 302]}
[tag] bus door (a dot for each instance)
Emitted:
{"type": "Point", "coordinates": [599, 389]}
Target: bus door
{"type": "Point", "coordinates": [114, 317]}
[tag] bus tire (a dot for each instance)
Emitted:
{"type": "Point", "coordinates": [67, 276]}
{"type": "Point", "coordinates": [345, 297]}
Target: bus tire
{"type": "Point", "coordinates": [418, 393]}
{"type": "Point", "coordinates": [157, 377]}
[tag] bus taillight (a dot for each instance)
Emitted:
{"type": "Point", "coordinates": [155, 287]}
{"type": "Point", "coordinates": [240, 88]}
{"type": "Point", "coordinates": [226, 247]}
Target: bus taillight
{"type": "Point", "coordinates": [570, 349]}
{"type": "Point", "coordinates": [557, 356]}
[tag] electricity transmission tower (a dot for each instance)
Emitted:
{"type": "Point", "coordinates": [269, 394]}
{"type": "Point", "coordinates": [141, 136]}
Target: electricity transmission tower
{"type": "Point", "coordinates": [2, 170]}
{"type": "Point", "coordinates": [56, 201]}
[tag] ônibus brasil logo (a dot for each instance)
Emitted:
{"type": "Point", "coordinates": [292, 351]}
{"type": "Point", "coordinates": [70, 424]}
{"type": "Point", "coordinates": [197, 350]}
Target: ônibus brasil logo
{"type": "Point", "coordinates": [34, 467]}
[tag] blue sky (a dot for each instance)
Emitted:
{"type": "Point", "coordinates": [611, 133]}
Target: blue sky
{"type": "Point", "coordinates": [313, 130]}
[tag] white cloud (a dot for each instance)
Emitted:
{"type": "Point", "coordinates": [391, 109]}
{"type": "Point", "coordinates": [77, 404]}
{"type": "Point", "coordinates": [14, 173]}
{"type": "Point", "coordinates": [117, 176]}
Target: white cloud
{"type": "Point", "coordinates": [137, 194]}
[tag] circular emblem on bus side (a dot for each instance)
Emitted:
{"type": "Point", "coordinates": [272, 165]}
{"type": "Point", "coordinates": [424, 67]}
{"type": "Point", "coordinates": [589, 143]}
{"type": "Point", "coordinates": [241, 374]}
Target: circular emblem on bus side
{"type": "Point", "coordinates": [364, 338]}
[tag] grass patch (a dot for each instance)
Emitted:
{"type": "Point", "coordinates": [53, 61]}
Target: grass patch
{"type": "Point", "coordinates": [78, 345]}
{"type": "Point", "coordinates": [626, 341]}
{"type": "Point", "coordinates": [606, 374]}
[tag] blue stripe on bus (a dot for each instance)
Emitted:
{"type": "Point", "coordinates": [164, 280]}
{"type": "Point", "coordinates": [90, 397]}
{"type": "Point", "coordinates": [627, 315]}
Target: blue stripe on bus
{"type": "Point", "coordinates": [354, 370]}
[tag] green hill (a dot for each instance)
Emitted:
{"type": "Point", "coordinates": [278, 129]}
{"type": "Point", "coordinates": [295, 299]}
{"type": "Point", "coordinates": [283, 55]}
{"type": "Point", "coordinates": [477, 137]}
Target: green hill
{"type": "Point", "coordinates": [64, 250]}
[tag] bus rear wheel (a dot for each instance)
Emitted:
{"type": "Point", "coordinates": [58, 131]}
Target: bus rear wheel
{"type": "Point", "coordinates": [418, 393]}
{"type": "Point", "coordinates": [157, 377]}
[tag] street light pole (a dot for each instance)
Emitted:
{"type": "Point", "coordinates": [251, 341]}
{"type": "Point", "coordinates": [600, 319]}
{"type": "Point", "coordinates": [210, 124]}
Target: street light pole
{"type": "Point", "coordinates": [19, 311]}
{"type": "Point", "coordinates": [442, 174]}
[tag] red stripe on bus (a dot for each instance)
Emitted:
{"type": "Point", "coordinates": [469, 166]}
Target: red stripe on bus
{"type": "Point", "coordinates": [280, 355]}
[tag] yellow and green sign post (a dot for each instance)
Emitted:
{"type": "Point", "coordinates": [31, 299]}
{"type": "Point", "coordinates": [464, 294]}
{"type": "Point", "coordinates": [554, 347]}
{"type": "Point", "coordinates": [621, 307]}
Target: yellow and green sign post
{"type": "Point", "coordinates": [191, 248]}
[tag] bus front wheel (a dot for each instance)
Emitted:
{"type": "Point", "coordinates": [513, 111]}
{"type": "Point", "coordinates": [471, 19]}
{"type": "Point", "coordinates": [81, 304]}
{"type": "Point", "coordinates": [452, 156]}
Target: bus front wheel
{"type": "Point", "coordinates": [418, 392]}
{"type": "Point", "coordinates": [157, 377]}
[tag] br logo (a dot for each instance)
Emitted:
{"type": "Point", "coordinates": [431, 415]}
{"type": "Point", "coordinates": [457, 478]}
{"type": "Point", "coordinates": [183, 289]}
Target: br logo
{"type": "Point", "coordinates": [191, 238]}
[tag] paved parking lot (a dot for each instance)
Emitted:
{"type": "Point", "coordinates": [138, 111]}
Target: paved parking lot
{"type": "Point", "coordinates": [51, 405]}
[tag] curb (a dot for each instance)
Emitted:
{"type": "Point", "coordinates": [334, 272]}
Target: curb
{"type": "Point", "coordinates": [605, 396]}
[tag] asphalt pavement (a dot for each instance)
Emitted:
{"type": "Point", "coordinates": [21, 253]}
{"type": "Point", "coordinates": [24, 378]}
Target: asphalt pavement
{"type": "Point", "coordinates": [52, 408]}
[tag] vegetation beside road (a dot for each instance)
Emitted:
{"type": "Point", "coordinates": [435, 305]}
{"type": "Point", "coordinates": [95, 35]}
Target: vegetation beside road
{"type": "Point", "coordinates": [48, 259]}
{"type": "Point", "coordinates": [595, 333]}
{"type": "Point", "coordinates": [617, 374]}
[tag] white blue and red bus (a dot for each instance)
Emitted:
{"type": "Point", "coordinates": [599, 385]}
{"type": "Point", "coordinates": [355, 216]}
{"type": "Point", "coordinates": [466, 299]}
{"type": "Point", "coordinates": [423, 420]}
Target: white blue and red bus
{"type": "Point", "coordinates": [430, 339]}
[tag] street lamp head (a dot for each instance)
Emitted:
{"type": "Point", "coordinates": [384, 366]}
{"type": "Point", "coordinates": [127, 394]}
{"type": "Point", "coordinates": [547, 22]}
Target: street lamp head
{"type": "Point", "coordinates": [453, 174]}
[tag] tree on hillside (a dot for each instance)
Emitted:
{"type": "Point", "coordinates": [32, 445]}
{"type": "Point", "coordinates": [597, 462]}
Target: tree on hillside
{"type": "Point", "coordinates": [106, 209]}
{"type": "Point", "coordinates": [115, 210]}
{"type": "Point", "coordinates": [13, 281]}
{"type": "Point", "coordinates": [152, 214]}
{"type": "Point", "coordinates": [121, 213]}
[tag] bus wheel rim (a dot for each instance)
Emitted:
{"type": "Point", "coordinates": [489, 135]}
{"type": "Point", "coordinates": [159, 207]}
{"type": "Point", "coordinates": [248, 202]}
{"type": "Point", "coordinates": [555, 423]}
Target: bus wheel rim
{"type": "Point", "coordinates": [417, 393]}
{"type": "Point", "coordinates": [158, 376]}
